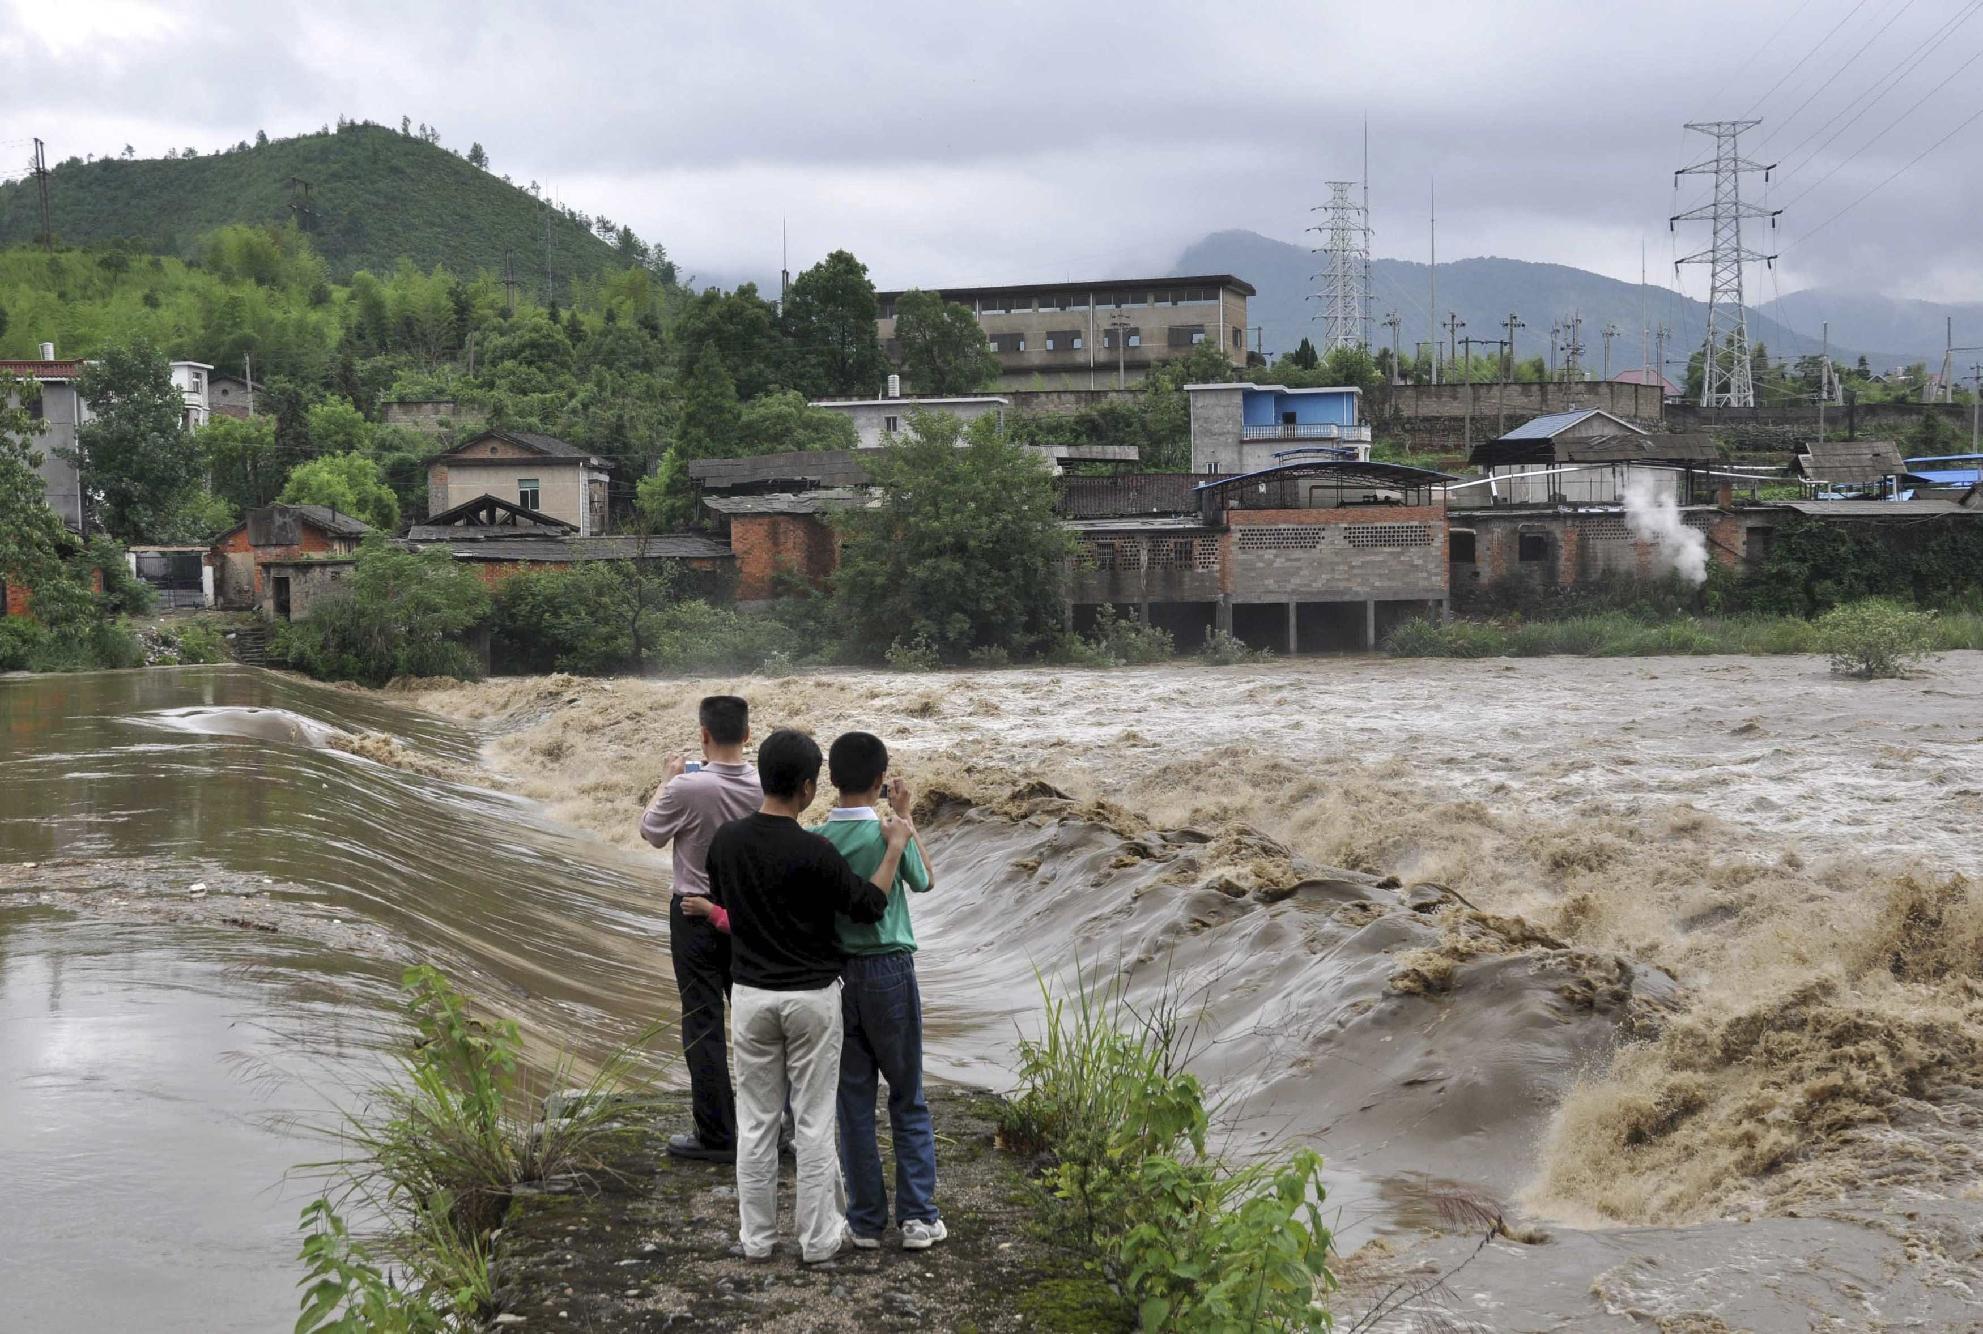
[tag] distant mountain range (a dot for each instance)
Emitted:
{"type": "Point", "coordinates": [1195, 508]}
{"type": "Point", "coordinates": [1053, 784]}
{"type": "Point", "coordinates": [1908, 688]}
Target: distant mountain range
{"type": "Point", "coordinates": [373, 196]}
{"type": "Point", "coordinates": [1887, 331]}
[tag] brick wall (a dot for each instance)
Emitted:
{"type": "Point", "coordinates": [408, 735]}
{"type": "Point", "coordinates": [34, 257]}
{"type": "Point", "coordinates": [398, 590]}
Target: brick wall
{"type": "Point", "coordinates": [770, 545]}
{"type": "Point", "coordinates": [1327, 555]}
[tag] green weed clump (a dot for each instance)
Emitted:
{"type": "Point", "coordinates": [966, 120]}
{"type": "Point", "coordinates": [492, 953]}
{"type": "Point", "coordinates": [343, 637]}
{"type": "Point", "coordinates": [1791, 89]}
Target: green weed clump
{"type": "Point", "coordinates": [438, 1153]}
{"type": "Point", "coordinates": [1876, 639]}
{"type": "Point", "coordinates": [1225, 649]}
{"type": "Point", "coordinates": [1190, 1243]}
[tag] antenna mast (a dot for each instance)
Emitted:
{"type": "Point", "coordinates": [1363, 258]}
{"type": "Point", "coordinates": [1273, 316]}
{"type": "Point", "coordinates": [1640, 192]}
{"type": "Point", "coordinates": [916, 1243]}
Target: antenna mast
{"type": "Point", "coordinates": [1725, 375]}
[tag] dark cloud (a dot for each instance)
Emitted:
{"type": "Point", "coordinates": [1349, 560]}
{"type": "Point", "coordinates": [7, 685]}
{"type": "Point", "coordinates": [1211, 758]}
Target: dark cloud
{"type": "Point", "coordinates": [954, 143]}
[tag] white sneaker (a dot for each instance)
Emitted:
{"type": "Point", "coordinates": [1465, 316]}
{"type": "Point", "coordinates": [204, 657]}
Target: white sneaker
{"type": "Point", "coordinates": [864, 1243]}
{"type": "Point", "coordinates": [920, 1236]}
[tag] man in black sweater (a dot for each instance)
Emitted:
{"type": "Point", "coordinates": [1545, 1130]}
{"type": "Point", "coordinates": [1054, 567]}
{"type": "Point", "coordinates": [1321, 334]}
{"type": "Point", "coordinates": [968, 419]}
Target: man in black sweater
{"type": "Point", "coordinates": [780, 888]}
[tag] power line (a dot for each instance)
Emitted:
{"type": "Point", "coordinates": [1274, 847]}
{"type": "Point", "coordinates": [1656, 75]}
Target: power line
{"type": "Point", "coordinates": [1767, 43]}
{"type": "Point", "coordinates": [1838, 166]}
{"type": "Point", "coordinates": [1892, 78]}
{"type": "Point", "coordinates": [1901, 171]}
{"type": "Point", "coordinates": [1849, 15]}
{"type": "Point", "coordinates": [1828, 80]}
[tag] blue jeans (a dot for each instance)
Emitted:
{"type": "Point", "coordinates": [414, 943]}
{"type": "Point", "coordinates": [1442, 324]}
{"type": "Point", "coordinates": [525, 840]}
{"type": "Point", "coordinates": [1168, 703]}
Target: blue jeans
{"type": "Point", "coordinates": [883, 1010]}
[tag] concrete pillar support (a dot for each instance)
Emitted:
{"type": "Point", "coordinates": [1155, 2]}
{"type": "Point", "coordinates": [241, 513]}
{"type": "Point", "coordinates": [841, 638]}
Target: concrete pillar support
{"type": "Point", "coordinates": [1293, 618]}
{"type": "Point", "coordinates": [1370, 624]}
{"type": "Point", "coordinates": [1222, 614]}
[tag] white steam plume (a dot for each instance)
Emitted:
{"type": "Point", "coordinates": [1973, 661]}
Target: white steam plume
{"type": "Point", "coordinates": [1653, 517]}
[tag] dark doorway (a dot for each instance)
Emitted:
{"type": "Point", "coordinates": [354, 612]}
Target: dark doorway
{"type": "Point", "coordinates": [1391, 615]}
{"type": "Point", "coordinates": [1460, 547]}
{"type": "Point", "coordinates": [1261, 625]}
{"type": "Point", "coordinates": [1189, 623]}
{"type": "Point", "coordinates": [1330, 627]}
{"type": "Point", "coordinates": [281, 587]}
{"type": "Point", "coordinates": [1532, 547]}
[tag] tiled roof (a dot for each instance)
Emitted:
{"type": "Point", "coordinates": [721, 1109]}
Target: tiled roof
{"type": "Point", "coordinates": [1850, 462]}
{"type": "Point", "coordinates": [34, 369]}
{"type": "Point", "coordinates": [820, 501]}
{"type": "Point", "coordinates": [566, 550]}
{"type": "Point", "coordinates": [332, 521]}
{"type": "Point", "coordinates": [536, 442]}
{"type": "Point", "coordinates": [1554, 424]}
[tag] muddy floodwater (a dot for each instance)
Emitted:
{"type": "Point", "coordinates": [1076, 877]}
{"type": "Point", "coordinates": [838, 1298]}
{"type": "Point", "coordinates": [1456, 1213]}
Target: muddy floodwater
{"type": "Point", "coordinates": [1667, 961]}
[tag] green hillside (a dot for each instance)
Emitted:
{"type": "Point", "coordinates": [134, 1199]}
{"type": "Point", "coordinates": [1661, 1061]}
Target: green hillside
{"type": "Point", "coordinates": [376, 195]}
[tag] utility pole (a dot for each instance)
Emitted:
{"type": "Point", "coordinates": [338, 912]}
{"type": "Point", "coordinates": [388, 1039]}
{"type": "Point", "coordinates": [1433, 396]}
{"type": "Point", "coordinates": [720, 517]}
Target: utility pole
{"type": "Point", "coordinates": [300, 207]}
{"type": "Point", "coordinates": [1555, 334]}
{"type": "Point", "coordinates": [1573, 348]}
{"type": "Point", "coordinates": [1976, 409]}
{"type": "Point", "coordinates": [1391, 322]}
{"type": "Point", "coordinates": [1511, 324]}
{"type": "Point", "coordinates": [1119, 326]}
{"type": "Point", "coordinates": [1469, 344]}
{"type": "Point", "coordinates": [509, 282]}
{"type": "Point", "coordinates": [1726, 381]}
{"type": "Point", "coordinates": [248, 374]}
{"type": "Point", "coordinates": [1432, 277]}
{"type": "Point", "coordinates": [1345, 266]}
{"type": "Point", "coordinates": [1610, 332]}
{"type": "Point", "coordinates": [1659, 357]}
{"type": "Point", "coordinates": [1824, 377]}
{"type": "Point", "coordinates": [1453, 326]}
{"type": "Point", "coordinates": [41, 188]}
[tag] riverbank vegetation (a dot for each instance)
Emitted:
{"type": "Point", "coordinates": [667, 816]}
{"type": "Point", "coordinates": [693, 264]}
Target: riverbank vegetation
{"type": "Point", "coordinates": [1188, 1242]}
{"type": "Point", "coordinates": [435, 1155]}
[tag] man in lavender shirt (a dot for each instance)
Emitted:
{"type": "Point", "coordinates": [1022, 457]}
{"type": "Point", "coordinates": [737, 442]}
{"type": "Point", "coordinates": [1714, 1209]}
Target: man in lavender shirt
{"type": "Point", "coordinates": [687, 810]}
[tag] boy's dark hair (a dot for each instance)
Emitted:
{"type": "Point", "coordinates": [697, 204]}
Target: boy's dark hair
{"type": "Point", "coordinates": [856, 761]}
{"type": "Point", "coordinates": [727, 718]}
{"type": "Point", "coordinates": [786, 762]}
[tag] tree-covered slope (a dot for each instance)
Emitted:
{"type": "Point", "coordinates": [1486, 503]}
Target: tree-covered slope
{"type": "Point", "coordinates": [375, 195]}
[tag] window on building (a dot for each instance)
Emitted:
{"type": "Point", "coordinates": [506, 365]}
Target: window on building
{"type": "Point", "coordinates": [1135, 338]}
{"type": "Point", "coordinates": [1460, 547]}
{"type": "Point", "coordinates": [887, 308]}
{"type": "Point", "coordinates": [1063, 340]}
{"type": "Point", "coordinates": [528, 492]}
{"type": "Point", "coordinates": [1008, 342]}
{"type": "Point", "coordinates": [1239, 338]}
{"type": "Point", "coordinates": [891, 425]}
{"type": "Point", "coordinates": [1185, 335]}
{"type": "Point", "coordinates": [1533, 547]}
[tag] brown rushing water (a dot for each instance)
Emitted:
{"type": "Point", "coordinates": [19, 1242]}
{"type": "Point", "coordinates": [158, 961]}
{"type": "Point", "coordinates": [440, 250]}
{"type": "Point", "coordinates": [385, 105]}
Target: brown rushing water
{"type": "Point", "coordinates": [151, 1048]}
{"type": "Point", "coordinates": [1702, 837]}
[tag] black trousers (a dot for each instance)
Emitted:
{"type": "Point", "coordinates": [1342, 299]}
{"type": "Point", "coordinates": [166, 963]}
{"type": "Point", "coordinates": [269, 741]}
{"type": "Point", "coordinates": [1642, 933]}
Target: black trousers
{"type": "Point", "coordinates": [702, 976]}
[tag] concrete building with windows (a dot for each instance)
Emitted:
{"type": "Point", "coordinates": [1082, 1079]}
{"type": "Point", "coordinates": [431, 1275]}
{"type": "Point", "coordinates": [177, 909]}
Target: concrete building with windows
{"type": "Point", "coordinates": [877, 421]}
{"type": "Point", "coordinates": [190, 378]}
{"type": "Point", "coordinates": [1238, 428]}
{"type": "Point", "coordinates": [536, 472]}
{"type": "Point", "coordinates": [1319, 555]}
{"type": "Point", "coordinates": [55, 404]}
{"type": "Point", "coordinates": [1086, 335]}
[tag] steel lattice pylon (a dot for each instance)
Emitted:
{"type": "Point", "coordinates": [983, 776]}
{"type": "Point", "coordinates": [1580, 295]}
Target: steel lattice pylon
{"type": "Point", "coordinates": [1725, 378]}
{"type": "Point", "coordinates": [1345, 275]}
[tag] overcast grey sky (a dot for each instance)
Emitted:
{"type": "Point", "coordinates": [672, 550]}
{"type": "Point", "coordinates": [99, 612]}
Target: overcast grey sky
{"type": "Point", "coordinates": [947, 143]}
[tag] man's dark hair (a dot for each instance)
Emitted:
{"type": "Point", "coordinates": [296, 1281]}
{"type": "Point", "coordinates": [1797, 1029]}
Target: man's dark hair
{"type": "Point", "coordinates": [856, 761]}
{"type": "Point", "coordinates": [786, 762]}
{"type": "Point", "coordinates": [727, 717]}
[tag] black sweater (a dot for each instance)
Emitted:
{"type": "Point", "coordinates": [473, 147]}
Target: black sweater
{"type": "Point", "coordinates": [781, 886]}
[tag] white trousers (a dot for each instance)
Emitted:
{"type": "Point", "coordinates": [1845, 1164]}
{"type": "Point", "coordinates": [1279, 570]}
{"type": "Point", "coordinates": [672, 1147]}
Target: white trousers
{"type": "Point", "coordinates": [786, 1045]}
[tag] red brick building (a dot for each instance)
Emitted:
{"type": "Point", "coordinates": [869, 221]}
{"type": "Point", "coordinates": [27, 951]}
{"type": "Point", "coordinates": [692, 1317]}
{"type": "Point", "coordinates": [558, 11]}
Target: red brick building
{"type": "Point", "coordinates": [275, 533]}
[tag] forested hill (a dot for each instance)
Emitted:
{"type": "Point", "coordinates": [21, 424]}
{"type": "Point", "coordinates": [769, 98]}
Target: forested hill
{"type": "Point", "coordinates": [375, 195]}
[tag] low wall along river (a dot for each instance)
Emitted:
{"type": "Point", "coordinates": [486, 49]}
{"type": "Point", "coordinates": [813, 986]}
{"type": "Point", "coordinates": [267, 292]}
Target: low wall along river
{"type": "Point", "coordinates": [1668, 943]}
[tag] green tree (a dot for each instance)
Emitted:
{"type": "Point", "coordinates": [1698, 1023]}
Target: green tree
{"type": "Point", "coordinates": [348, 483]}
{"type": "Point", "coordinates": [707, 426]}
{"type": "Point", "coordinates": [1304, 357]}
{"type": "Point", "coordinates": [964, 550]}
{"type": "Point", "coordinates": [782, 420]}
{"type": "Point", "coordinates": [1166, 443]}
{"type": "Point", "coordinates": [31, 535]}
{"type": "Point", "coordinates": [745, 332]}
{"type": "Point", "coordinates": [477, 157]}
{"type": "Point", "coordinates": [336, 427]}
{"type": "Point", "coordinates": [830, 319]}
{"type": "Point", "coordinates": [1355, 366]}
{"type": "Point", "coordinates": [399, 614]}
{"type": "Point", "coordinates": [134, 454]}
{"type": "Point", "coordinates": [593, 618]}
{"type": "Point", "coordinates": [944, 350]}
{"type": "Point", "coordinates": [242, 459]}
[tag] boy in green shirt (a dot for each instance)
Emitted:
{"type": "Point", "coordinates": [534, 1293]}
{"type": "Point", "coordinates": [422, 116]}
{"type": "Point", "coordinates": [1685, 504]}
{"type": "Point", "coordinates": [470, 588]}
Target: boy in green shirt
{"type": "Point", "coordinates": [882, 1009]}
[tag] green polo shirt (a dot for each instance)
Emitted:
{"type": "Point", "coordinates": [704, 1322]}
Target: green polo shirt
{"type": "Point", "coordinates": [856, 831]}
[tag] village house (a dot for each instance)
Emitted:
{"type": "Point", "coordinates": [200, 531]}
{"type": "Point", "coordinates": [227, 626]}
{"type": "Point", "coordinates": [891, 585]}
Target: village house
{"type": "Point", "coordinates": [1871, 467]}
{"type": "Point", "coordinates": [536, 472]}
{"type": "Point", "coordinates": [877, 421]}
{"type": "Point", "coordinates": [1239, 428]}
{"type": "Point", "coordinates": [500, 539]}
{"type": "Point", "coordinates": [242, 555]}
{"type": "Point", "coordinates": [231, 396]}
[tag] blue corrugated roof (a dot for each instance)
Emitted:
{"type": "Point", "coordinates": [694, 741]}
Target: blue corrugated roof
{"type": "Point", "coordinates": [1547, 428]}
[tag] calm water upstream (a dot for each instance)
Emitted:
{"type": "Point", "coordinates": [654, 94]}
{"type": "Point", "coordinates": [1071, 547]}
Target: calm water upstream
{"type": "Point", "coordinates": [158, 1047]}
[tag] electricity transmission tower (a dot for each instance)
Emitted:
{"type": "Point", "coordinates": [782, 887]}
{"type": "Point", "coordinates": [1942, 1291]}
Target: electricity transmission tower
{"type": "Point", "coordinates": [1345, 275]}
{"type": "Point", "coordinates": [40, 170]}
{"type": "Point", "coordinates": [1725, 377]}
